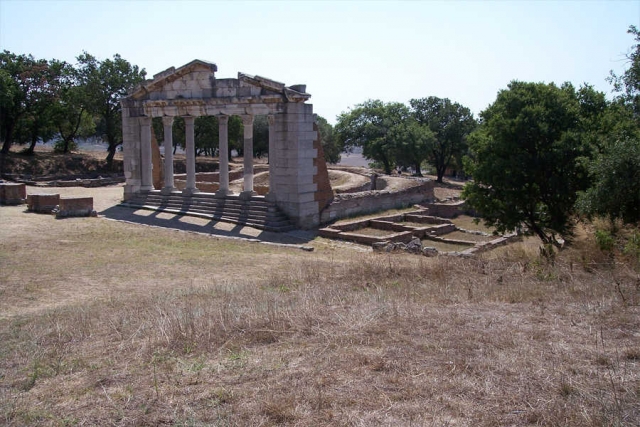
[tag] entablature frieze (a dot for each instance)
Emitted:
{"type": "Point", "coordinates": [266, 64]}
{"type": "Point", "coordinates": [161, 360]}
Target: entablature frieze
{"type": "Point", "coordinates": [204, 107]}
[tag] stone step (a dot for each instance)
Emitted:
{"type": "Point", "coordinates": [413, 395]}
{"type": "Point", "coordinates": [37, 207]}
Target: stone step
{"type": "Point", "coordinates": [213, 208]}
{"type": "Point", "coordinates": [256, 212]}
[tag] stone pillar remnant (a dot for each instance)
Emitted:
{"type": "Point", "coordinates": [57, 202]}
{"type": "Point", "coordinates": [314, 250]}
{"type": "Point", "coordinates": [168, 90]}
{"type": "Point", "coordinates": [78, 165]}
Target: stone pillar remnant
{"type": "Point", "coordinates": [247, 121]}
{"type": "Point", "coordinates": [168, 155]}
{"type": "Point", "coordinates": [223, 154]}
{"type": "Point", "coordinates": [145, 149]}
{"type": "Point", "coordinates": [191, 156]}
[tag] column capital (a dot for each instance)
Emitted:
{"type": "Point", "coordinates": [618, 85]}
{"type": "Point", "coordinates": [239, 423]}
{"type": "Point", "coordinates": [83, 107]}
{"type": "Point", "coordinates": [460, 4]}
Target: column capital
{"type": "Point", "coordinates": [167, 120]}
{"type": "Point", "coordinates": [247, 120]}
{"type": "Point", "coordinates": [188, 119]}
{"type": "Point", "coordinates": [222, 119]}
{"type": "Point", "coordinates": [145, 120]}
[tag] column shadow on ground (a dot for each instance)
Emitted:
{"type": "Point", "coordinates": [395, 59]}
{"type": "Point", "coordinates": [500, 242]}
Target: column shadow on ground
{"type": "Point", "coordinates": [204, 226]}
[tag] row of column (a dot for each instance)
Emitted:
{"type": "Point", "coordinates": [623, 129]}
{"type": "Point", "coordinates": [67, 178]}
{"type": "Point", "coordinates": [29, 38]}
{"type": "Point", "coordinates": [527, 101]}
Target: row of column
{"type": "Point", "coordinates": [190, 188]}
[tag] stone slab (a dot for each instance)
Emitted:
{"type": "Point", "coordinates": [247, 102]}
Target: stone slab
{"type": "Point", "coordinates": [42, 203]}
{"type": "Point", "coordinates": [12, 193]}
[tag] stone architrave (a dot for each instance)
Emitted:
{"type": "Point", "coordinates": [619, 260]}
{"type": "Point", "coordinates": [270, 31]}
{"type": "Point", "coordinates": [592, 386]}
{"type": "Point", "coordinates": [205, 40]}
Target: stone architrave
{"type": "Point", "coordinates": [193, 90]}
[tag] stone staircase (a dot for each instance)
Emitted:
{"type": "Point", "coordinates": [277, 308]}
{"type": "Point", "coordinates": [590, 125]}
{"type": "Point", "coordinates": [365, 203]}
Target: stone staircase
{"type": "Point", "coordinates": [255, 212]}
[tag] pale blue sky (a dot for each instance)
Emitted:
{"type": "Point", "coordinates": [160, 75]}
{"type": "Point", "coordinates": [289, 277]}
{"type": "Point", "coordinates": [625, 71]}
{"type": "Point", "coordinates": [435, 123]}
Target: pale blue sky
{"type": "Point", "coordinates": [345, 52]}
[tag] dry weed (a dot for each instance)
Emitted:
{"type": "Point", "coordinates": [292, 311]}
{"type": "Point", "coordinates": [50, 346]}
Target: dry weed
{"type": "Point", "coordinates": [335, 338]}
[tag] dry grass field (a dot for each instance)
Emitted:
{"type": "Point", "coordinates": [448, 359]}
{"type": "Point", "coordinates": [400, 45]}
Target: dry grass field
{"type": "Point", "coordinates": [115, 323]}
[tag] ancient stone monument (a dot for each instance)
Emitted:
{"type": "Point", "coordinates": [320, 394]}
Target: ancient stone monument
{"type": "Point", "coordinates": [12, 193]}
{"type": "Point", "coordinates": [192, 91]}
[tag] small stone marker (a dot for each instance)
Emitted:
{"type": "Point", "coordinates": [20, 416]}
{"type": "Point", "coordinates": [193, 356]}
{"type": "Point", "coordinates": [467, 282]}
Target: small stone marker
{"type": "Point", "coordinates": [12, 193]}
{"type": "Point", "coordinates": [75, 206]}
{"type": "Point", "coordinates": [42, 203]}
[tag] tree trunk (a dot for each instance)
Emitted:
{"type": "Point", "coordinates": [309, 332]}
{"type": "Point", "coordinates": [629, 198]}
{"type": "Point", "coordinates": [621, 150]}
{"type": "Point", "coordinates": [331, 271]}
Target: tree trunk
{"type": "Point", "coordinates": [29, 151]}
{"type": "Point", "coordinates": [7, 141]}
{"type": "Point", "coordinates": [440, 173]}
{"type": "Point", "coordinates": [111, 152]}
{"type": "Point", "coordinates": [418, 171]}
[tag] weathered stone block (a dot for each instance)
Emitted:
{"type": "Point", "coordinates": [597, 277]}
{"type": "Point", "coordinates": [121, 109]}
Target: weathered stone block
{"type": "Point", "coordinates": [42, 203]}
{"type": "Point", "coordinates": [12, 193]}
{"type": "Point", "coordinates": [75, 206]}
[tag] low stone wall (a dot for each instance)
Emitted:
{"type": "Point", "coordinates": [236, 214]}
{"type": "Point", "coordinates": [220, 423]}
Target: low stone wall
{"type": "Point", "coordinates": [42, 203]}
{"type": "Point", "coordinates": [446, 210]}
{"type": "Point", "coordinates": [75, 206]}
{"type": "Point", "coordinates": [12, 193]}
{"type": "Point", "coordinates": [346, 205]}
{"type": "Point", "coordinates": [87, 183]}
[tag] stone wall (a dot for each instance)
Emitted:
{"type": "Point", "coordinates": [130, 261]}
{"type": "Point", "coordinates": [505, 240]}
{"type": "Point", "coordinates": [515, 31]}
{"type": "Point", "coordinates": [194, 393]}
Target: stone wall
{"type": "Point", "coordinates": [449, 210]}
{"type": "Point", "coordinates": [346, 205]}
{"type": "Point", "coordinates": [42, 203]}
{"type": "Point", "coordinates": [75, 206]}
{"type": "Point", "coordinates": [324, 194]}
{"type": "Point", "coordinates": [12, 193]}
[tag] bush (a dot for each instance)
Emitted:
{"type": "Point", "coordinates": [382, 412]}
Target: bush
{"type": "Point", "coordinates": [604, 240]}
{"type": "Point", "coordinates": [58, 146]}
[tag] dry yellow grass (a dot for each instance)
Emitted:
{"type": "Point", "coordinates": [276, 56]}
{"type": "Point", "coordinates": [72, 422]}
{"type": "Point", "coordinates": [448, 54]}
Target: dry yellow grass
{"type": "Point", "coordinates": [107, 323]}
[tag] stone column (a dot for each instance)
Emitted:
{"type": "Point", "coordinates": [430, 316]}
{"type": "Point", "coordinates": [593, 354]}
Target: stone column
{"type": "Point", "coordinates": [168, 155]}
{"type": "Point", "coordinates": [223, 155]}
{"type": "Point", "coordinates": [146, 163]}
{"type": "Point", "coordinates": [190, 188]}
{"type": "Point", "coordinates": [272, 157]}
{"type": "Point", "coordinates": [247, 121]}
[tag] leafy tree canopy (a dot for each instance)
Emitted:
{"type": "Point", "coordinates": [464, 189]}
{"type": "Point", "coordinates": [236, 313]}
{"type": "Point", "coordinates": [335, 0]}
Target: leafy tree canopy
{"type": "Point", "coordinates": [106, 82]}
{"type": "Point", "coordinates": [450, 123]}
{"type": "Point", "coordinates": [524, 160]}
{"type": "Point", "coordinates": [370, 125]}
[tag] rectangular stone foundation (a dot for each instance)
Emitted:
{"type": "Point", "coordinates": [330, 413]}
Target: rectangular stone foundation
{"type": "Point", "coordinates": [12, 193]}
{"type": "Point", "coordinates": [42, 203]}
{"type": "Point", "coordinates": [75, 206]}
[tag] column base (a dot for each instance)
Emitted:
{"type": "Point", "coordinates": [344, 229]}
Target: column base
{"type": "Point", "coordinates": [247, 195]}
{"type": "Point", "coordinates": [167, 190]}
{"type": "Point", "coordinates": [146, 188]}
{"type": "Point", "coordinates": [190, 192]}
{"type": "Point", "coordinates": [222, 193]}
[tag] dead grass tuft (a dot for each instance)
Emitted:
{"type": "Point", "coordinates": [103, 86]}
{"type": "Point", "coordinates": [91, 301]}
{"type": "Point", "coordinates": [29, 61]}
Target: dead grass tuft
{"type": "Point", "coordinates": [222, 336]}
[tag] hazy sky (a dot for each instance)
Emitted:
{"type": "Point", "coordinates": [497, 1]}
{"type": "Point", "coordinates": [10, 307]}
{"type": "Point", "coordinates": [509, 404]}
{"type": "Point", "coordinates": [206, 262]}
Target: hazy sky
{"type": "Point", "coordinates": [345, 52]}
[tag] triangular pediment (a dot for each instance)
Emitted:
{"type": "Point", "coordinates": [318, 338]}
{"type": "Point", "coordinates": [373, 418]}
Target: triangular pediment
{"type": "Point", "coordinates": [196, 80]}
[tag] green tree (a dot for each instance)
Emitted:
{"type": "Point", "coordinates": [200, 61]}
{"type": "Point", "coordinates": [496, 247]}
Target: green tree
{"type": "Point", "coordinates": [106, 82]}
{"type": "Point", "coordinates": [330, 143]}
{"type": "Point", "coordinates": [524, 160]}
{"type": "Point", "coordinates": [260, 136]}
{"type": "Point", "coordinates": [450, 123]}
{"type": "Point", "coordinates": [371, 125]}
{"type": "Point", "coordinates": [615, 166]}
{"type": "Point", "coordinates": [70, 113]}
{"type": "Point", "coordinates": [627, 85]}
{"type": "Point", "coordinates": [20, 75]}
{"type": "Point", "coordinates": [36, 124]}
{"type": "Point", "coordinates": [413, 142]}
{"type": "Point", "coordinates": [206, 136]}
{"type": "Point", "coordinates": [615, 193]}
{"type": "Point", "coordinates": [236, 135]}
